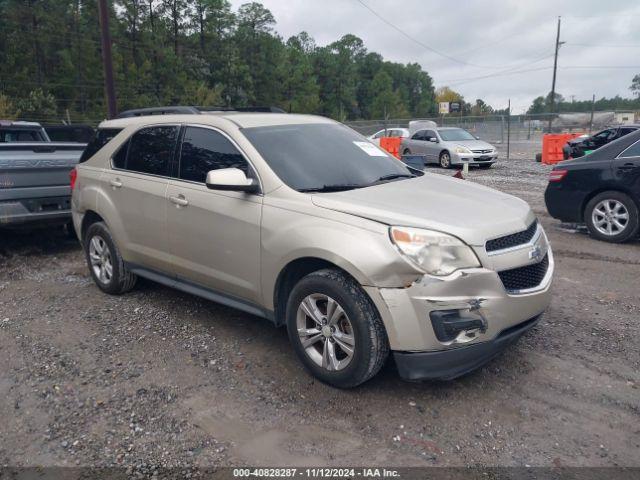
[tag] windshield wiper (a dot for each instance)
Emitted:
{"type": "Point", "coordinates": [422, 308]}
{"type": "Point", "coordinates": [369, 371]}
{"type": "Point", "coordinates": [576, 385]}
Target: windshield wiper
{"type": "Point", "coordinates": [393, 176]}
{"type": "Point", "coordinates": [332, 188]}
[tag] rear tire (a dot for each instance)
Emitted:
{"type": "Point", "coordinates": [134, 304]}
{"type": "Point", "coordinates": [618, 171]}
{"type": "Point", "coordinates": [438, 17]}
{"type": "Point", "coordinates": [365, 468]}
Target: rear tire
{"type": "Point", "coordinates": [331, 314]}
{"type": "Point", "coordinates": [612, 217]}
{"type": "Point", "coordinates": [445, 160]}
{"type": "Point", "coordinates": [105, 262]}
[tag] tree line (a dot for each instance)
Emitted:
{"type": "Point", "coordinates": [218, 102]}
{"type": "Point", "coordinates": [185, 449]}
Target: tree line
{"type": "Point", "coordinates": [561, 105]}
{"type": "Point", "coordinates": [191, 52]}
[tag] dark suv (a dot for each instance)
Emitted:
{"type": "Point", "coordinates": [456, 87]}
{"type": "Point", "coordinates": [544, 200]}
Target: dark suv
{"type": "Point", "coordinates": [578, 147]}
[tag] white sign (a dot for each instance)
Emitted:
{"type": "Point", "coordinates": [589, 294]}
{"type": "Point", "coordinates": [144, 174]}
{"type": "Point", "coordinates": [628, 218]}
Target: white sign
{"type": "Point", "coordinates": [370, 149]}
{"type": "Point", "coordinates": [444, 107]}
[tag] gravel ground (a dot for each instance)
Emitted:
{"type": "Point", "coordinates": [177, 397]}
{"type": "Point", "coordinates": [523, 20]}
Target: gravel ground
{"type": "Point", "coordinates": [157, 378]}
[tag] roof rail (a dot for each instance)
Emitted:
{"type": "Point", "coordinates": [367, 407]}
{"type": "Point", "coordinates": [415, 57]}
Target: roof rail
{"type": "Point", "coordinates": [193, 110]}
{"type": "Point", "coordinates": [140, 112]}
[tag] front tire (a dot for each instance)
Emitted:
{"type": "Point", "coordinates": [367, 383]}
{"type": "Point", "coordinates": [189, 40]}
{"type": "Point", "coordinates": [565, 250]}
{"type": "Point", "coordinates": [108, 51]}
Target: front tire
{"type": "Point", "coordinates": [445, 160]}
{"type": "Point", "coordinates": [335, 329]}
{"type": "Point", "coordinates": [406, 152]}
{"type": "Point", "coordinates": [105, 262]}
{"type": "Point", "coordinates": [612, 217]}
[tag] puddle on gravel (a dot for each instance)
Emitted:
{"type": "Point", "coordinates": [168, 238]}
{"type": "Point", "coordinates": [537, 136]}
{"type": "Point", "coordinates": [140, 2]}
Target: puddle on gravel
{"type": "Point", "coordinates": [262, 445]}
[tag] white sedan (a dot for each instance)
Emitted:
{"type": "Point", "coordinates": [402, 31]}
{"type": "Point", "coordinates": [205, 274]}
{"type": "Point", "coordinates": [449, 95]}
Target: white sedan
{"type": "Point", "coordinates": [389, 132]}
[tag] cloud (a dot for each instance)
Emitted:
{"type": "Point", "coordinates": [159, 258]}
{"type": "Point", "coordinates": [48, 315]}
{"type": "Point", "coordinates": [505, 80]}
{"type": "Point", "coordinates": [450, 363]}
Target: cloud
{"type": "Point", "coordinates": [490, 38]}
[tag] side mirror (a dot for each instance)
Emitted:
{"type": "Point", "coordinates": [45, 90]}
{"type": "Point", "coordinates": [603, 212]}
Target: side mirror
{"type": "Point", "coordinates": [433, 139]}
{"type": "Point", "coordinates": [231, 179]}
{"type": "Point", "coordinates": [477, 137]}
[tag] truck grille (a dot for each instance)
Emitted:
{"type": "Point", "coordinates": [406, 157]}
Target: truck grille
{"type": "Point", "coordinates": [523, 278]}
{"type": "Point", "coordinates": [512, 240]}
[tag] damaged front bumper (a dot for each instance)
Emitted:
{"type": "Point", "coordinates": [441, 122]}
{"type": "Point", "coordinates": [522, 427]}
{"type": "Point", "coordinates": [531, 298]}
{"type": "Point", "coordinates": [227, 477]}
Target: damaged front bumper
{"type": "Point", "coordinates": [443, 328]}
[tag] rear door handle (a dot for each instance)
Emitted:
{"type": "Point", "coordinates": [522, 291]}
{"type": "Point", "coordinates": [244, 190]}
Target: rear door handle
{"type": "Point", "coordinates": [179, 200]}
{"type": "Point", "coordinates": [115, 183]}
{"type": "Point", "coordinates": [627, 166]}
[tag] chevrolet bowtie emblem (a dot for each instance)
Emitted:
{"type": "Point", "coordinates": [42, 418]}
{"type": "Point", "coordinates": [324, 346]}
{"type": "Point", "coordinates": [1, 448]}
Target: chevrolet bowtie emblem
{"type": "Point", "coordinates": [535, 253]}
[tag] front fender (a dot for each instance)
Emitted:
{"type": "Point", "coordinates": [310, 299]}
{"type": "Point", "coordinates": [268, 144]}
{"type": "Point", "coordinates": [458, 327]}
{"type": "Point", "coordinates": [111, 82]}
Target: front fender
{"type": "Point", "coordinates": [360, 247]}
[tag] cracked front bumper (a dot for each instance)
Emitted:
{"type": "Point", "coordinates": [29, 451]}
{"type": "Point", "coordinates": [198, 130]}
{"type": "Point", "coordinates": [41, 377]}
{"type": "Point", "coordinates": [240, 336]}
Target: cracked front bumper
{"type": "Point", "coordinates": [479, 292]}
{"type": "Point", "coordinates": [455, 362]}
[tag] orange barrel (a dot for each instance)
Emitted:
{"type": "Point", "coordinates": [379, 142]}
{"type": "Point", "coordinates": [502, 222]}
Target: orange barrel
{"type": "Point", "coordinates": [391, 145]}
{"type": "Point", "coordinates": [552, 146]}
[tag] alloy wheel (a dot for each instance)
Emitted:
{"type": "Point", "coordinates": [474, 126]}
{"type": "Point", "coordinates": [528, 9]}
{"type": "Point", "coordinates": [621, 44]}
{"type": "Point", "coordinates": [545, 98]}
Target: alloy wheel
{"type": "Point", "coordinates": [445, 160]}
{"type": "Point", "coordinates": [610, 217]}
{"type": "Point", "coordinates": [100, 257]}
{"type": "Point", "coordinates": [325, 332]}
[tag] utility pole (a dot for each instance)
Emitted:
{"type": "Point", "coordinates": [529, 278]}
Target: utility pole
{"type": "Point", "coordinates": [509, 129]}
{"type": "Point", "coordinates": [593, 104]}
{"type": "Point", "coordinates": [107, 62]}
{"type": "Point", "coordinates": [555, 68]}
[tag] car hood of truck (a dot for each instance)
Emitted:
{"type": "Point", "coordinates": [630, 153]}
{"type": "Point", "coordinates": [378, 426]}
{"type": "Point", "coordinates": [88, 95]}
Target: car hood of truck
{"type": "Point", "coordinates": [471, 212]}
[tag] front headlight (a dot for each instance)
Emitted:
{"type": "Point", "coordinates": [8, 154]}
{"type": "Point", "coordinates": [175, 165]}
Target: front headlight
{"type": "Point", "coordinates": [460, 149]}
{"type": "Point", "coordinates": [432, 252]}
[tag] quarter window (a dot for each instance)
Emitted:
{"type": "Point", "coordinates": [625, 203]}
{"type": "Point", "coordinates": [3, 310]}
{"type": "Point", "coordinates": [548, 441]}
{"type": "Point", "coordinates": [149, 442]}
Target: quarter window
{"type": "Point", "coordinates": [204, 150]}
{"type": "Point", "coordinates": [150, 150]}
{"type": "Point", "coordinates": [99, 140]}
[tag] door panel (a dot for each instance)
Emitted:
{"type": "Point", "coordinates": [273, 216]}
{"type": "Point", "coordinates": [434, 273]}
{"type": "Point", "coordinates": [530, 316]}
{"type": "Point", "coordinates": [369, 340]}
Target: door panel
{"type": "Point", "coordinates": [214, 235]}
{"type": "Point", "coordinates": [135, 191]}
{"type": "Point", "coordinates": [215, 238]}
{"type": "Point", "coordinates": [431, 149]}
{"type": "Point", "coordinates": [139, 203]}
{"type": "Point", "coordinates": [626, 169]}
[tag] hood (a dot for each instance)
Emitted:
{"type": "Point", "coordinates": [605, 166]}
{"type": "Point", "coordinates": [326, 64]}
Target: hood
{"type": "Point", "coordinates": [469, 211]}
{"type": "Point", "coordinates": [472, 144]}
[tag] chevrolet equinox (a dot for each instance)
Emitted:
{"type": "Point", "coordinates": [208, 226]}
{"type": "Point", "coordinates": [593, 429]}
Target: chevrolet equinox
{"type": "Point", "coordinates": [301, 220]}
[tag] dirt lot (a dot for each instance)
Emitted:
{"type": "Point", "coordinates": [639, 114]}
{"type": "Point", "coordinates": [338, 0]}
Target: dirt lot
{"type": "Point", "coordinates": [161, 378]}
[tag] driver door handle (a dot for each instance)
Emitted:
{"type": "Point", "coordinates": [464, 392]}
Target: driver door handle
{"type": "Point", "coordinates": [115, 183]}
{"type": "Point", "coordinates": [179, 200]}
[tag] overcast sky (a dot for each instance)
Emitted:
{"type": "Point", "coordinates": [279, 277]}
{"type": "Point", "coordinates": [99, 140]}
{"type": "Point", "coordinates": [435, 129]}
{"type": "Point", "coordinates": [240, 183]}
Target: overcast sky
{"type": "Point", "coordinates": [487, 37]}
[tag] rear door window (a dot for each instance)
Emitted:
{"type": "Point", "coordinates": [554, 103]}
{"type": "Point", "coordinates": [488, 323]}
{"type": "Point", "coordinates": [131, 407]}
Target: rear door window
{"type": "Point", "coordinates": [151, 150]}
{"type": "Point", "coordinates": [632, 151]}
{"type": "Point", "coordinates": [99, 140]}
{"type": "Point", "coordinates": [204, 150]}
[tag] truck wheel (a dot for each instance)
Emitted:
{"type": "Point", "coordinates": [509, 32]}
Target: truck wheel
{"type": "Point", "coordinates": [612, 217]}
{"type": "Point", "coordinates": [105, 263]}
{"type": "Point", "coordinates": [335, 329]}
{"type": "Point", "coordinates": [445, 160]}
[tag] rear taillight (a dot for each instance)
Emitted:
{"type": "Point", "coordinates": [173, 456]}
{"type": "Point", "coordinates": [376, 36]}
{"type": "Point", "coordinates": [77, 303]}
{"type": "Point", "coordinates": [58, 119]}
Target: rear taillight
{"type": "Point", "coordinates": [73, 175]}
{"type": "Point", "coordinates": [557, 175]}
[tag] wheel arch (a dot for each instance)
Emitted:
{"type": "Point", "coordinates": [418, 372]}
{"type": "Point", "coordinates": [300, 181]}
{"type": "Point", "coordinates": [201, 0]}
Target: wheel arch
{"type": "Point", "coordinates": [293, 272]}
{"type": "Point", "coordinates": [600, 190]}
{"type": "Point", "coordinates": [89, 218]}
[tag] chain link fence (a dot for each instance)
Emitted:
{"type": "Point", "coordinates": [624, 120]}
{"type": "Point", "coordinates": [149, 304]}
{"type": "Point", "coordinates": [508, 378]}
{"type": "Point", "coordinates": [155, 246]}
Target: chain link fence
{"type": "Point", "coordinates": [500, 129]}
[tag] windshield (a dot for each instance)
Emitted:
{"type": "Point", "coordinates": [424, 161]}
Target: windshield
{"type": "Point", "coordinates": [315, 156]}
{"type": "Point", "coordinates": [455, 135]}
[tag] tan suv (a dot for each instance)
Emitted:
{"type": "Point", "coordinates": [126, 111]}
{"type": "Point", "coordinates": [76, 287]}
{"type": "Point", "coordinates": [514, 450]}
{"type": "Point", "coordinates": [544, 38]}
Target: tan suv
{"type": "Point", "coordinates": [302, 221]}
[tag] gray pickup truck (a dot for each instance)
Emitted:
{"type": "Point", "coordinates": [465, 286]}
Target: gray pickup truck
{"type": "Point", "coordinates": [34, 175]}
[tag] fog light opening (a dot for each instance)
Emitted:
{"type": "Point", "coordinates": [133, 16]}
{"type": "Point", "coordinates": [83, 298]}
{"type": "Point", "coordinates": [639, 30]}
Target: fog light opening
{"type": "Point", "coordinates": [457, 326]}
